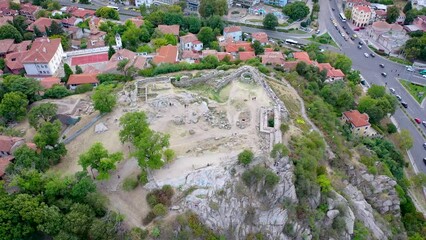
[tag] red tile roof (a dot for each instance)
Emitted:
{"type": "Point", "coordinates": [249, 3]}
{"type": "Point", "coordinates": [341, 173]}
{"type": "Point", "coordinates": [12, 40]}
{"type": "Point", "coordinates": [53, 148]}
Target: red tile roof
{"type": "Point", "coordinates": [69, 21]}
{"type": "Point", "coordinates": [123, 54]}
{"type": "Point", "coordinates": [7, 142]}
{"type": "Point", "coordinates": [232, 29]}
{"type": "Point", "coordinates": [190, 54]}
{"type": "Point", "coordinates": [302, 56]}
{"type": "Point", "coordinates": [41, 24]}
{"type": "Point", "coordinates": [169, 29]}
{"type": "Point", "coordinates": [362, 8]}
{"type": "Point", "coordinates": [6, 45]}
{"type": "Point", "coordinates": [269, 50]}
{"type": "Point", "coordinates": [29, 8]}
{"type": "Point", "coordinates": [4, 163]}
{"type": "Point", "coordinates": [77, 79]}
{"type": "Point", "coordinates": [166, 54]}
{"type": "Point", "coordinates": [356, 118]}
{"type": "Point", "coordinates": [42, 50]}
{"type": "Point", "coordinates": [275, 58]}
{"type": "Point", "coordinates": [22, 46]}
{"type": "Point", "coordinates": [235, 46]}
{"type": "Point", "coordinates": [82, 13]}
{"type": "Point", "coordinates": [331, 71]}
{"type": "Point", "coordinates": [221, 55]}
{"type": "Point", "coordinates": [5, 20]}
{"type": "Point", "coordinates": [90, 70]}
{"type": "Point", "coordinates": [14, 60]}
{"type": "Point", "coordinates": [260, 36]}
{"type": "Point", "coordinates": [192, 38]}
{"type": "Point", "coordinates": [47, 83]}
{"type": "Point", "coordinates": [246, 55]}
{"type": "Point", "coordinates": [137, 21]}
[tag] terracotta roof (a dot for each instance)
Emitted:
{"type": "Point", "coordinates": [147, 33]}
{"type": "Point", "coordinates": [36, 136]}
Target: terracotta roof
{"type": "Point", "coordinates": [331, 71]}
{"type": "Point", "coordinates": [355, 2]}
{"type": "Point", "coordinates": [42, 50]}
{"type": "Point", "coordinates": [381, 25]}
{"type": "Point", "coordinates": [188, 38]}
{"type": "Point", "coordinates": [123, 54]}
{"type": "Point", "coordinates": [69, 21]}
{"type": "Point", "coordinates": [82, 13]}
{"type": "Point", "coordinates": [221, 55]}
{"type": "Point", "coordinates": [381, 13]}
{"type": "Point", "coordinates": [290, 65]}
{"type": "Point", "coordinates": [166, 54]}
{"type": "Point", "coordinates": [47, 83]}
{"type": "Point", "coordinates": [232, 29]}
{"type": "Point", "coordinates": [235, 46]}
{"type": "Point", "coordinates": [139, 62]}
{"type": "Point", "coordinates": [4, 163]}
{"type": "Point", "coordinates": [41, 24]}
{"type": "Point", "coordinates": [356, 118]}
{"type": "Point", "coordinates": [29, 8]}
{"type": "Point", "coordinates": [207, 52]}
{"type": "Point", "coordinates": [268, 49]}
{"type": "Point", "coordinates": [362, 8]}
{"type": "Point", "coordinates": [260, 36]}
{"type": "Point", "coordinates": [14, 60]}
{"type": "Point", "coordinates": [7, 142]}
{"type": "Point", "coordinates": [137, 21]}
{"type": "Point", "coordinates": [33, 146]}
{"type": "Point", "coordinates": [302, 56]}
{"type": "Point", "coordinates": [243, 56]}
{"type": "Point", "coordinates": [90, 70]}
{"type": "Point", "coordinates": [22, 46]}
{"type": "Point", "coordinates": [190, 54]}
{"type": "Point", "coordinates": [6, 45]}
{"type": "Point", "coordinates": [169, 29]}
{"type": "Point", "coordinates": [396, 27]}
{"type": "Point", "coordinates": [77, 79]}
{"type": "Point", "coordinates": [5, 20]}
{"type": "Point", "coordinates": [275, 58]}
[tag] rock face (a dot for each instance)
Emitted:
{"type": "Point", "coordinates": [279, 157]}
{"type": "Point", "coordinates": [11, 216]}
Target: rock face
{"type": "Point", "coordinates": [379, 191]}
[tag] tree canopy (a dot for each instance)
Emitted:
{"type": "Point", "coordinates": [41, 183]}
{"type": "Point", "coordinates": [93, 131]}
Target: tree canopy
{"type": "Point", "coordinates": [106, 12]}
{"type": "Point", "coordinates": [296, 10]}
{"type": "Point", "coordinates": [97, 157]}
{"type": "Point", "coordinates": [13, 106]}
{"type": "Point", "coordinates": [8, 31]}
{"type": "Point", "coordinates": [39, 114]}
{"type": "Point", "coordinates": [213, 7]}
{"type": "Point", "coordinates": [104, 98]}
{"type": "Point", "coordinates": [270, 21]}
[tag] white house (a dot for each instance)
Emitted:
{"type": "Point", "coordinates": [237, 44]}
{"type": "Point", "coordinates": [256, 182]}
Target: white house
{"type": "Point", "coordinates": [190, 42]}
{"type": "Point", "coordinates": [233, 32]}
{"type": "Point", "coordinates": [44, 58]}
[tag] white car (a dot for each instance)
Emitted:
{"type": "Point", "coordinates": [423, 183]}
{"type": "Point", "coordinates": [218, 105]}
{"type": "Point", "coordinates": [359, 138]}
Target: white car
{"type": "Point", "coordinates": [392, 90]}
{"type": "Point", "coordinates": [366, 55]}
{"type": "Point", "coordinates": [409, 68]}
{"type": "Point", "coordinates": [424, 76]}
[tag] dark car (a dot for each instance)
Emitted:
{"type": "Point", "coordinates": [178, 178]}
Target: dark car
{"type": "Point", "coordinates": [424, 161]}
{"type": "Point", "coordinates": [343, 27]}
{"type": "Point", "coordinates": [384, 74]}
{"type": "Point", "coordinates": [333, 9]}
{"type": "Point", "coordinates": [424, 145]}
{"type": "Point", "coordinates": [360, 43]}
{"type": "Point", "coordinates": [404, 104]}
{"type": "Point", "coordinates": [382, 65]}
{"type": "Point", "coordinates": [372, 55]}
{"type": "Point", "coordinates": [418, 121]}
{"type": "Point", "coordinates": [356, 29]}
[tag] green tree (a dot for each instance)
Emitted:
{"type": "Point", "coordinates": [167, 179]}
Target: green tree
{"type": "Point", "coordinates": [149, 144]}
{"type": "Point", "coordinates": [14, 6]}
{"type": "Point", "coordinates": [42, 113]}
{"type": "Point", "coordinates": [193, 24]}
{"type": "Point", "coordinates": [270, 21]}
{"type": "Point", "coordinates": [392, 13]}
{"type": "Point", "coordinates": [48, 134]}
{"type": "Point", "coordinates": [111, 51]}
{"type": "Point", "coordinates": [57, 92]}
{"type": "Point", "coordinates": [28, 86]}
{"type": "Point", "coordinates": [407, 7]}
{"type": "Point", "coordinates": [78, 70]}
{"type": "Point", "coordinates": [53, 5]}
{"type": "Point", "coordinates": [404, 139]}
{"type": "Point", "coordinates": [296, 10]}
{"type": "Point", "coordinates": [97, 157]}
{"type": "Point", "coordinates": [79, 219]}
{"type": "Point", "coordinates": [104, 99]}
{"type": "Point", "coordinates": [105, 228]}
{"type": "Point", "coordinates": [376, 91]}
{"type": "Point", "coordinates": [348, 14]}
{"type": "Point", "coordinates": [206, 36]}
{"type": "Point", "coordinates": [13, 106]}
{"type": "Point", "coordinates": [106, 12]}
{"type": "Point", "coordinates": [37, 32]}
{"type": "Point", "coordinates": [8, 31]}
{"type": "Point", "coordinates": [338, 95]}
{"type": "Point", "coordinates": [159, 210]}
{"type": "Point", "coordinates": [258, 48]}
{"type": "Point", "coordinates": [55, 29]}
{"type": "Point", "coordinates": [279, 150]}
{"type": "Point", "coordinates": [209, 8]}
{"type": "Point", "coordinates": [171, 18]}
{"type": "Point", "coordinates": [68, 72]}
{"type": "Point", "coordinates": [245, 157]}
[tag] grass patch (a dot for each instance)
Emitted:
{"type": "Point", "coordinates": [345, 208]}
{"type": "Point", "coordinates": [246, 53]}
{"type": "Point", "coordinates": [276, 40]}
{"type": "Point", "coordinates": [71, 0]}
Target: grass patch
{"type": "Point", "coordinates": [416, 90]}
{"type": "Point", "coordinates": [296, 31]}
{"type": "Point", "coordinates": [324, 39]}
{"type": "Point", "coordinates": [130, 183]}
{"type": "Point", "coordinates": [399, 60]}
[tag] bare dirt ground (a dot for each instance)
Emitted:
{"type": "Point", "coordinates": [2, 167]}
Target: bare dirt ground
{"type": "Point", "coordinates": [202, 131]}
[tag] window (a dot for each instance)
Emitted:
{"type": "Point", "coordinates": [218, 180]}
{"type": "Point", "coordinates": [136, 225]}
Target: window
{"type": "Point", "coordinates": [366, 128]}
{"type": "Point", "coordinates": [40, 72]}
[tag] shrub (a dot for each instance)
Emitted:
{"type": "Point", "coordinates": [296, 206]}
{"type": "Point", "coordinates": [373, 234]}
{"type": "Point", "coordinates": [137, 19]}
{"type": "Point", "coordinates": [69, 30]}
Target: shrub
{"type": "Point", "coordinates": [148, 218]}
{"type": "Point", "coordinates": [170, 155]}
{"type": "Point", "coordinates": [84, 88]}
{"type": "Point", "coordinates": [111, 77]}
{"type": "Point", "coordinates": [324, 183]}
{"type": "Point", "coordinates": [143, 177]}
{"type": "Point", "coordinates": [279, 150]}
{"type": "Point", "coordinates": [155, 232]}
{"type": "Point", "coordinates": [159, 210]}
{"type": "Point", "coordinates": [57, 92]}
{"type": "Point", "coordinates": [271, 179]}
{"type": "Point", "coordinates": [245, 157]}
{"type": "Point", "coordinates": [138, 234]}
{"type": "Point", "coordinates": [168, 190]}
{"type": "Point", "coordinates": [130, 183]}
{"type": "Point", "coordinates": [151, 199]}
{"type": "Point", "coordinates": [391, 128]}
{"type": "Point", "coordinates": [259, 173]}
{"type": "Point", "coordinates": [284, 128]}
{"type": "Point", "coordinates": [162, 196]}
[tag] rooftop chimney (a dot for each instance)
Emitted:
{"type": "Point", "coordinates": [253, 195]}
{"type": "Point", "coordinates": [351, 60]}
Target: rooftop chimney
{"type": "Point", "coordinates": [44, 49]}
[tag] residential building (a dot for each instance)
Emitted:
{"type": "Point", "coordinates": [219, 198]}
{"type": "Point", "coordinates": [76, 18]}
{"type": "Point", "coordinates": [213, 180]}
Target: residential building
{"type": "Point", "coordinates": [190, 42]}
{"type": "Point", "coordinates": [380, 15]}
{"type": "Point", "coordinates": [332, 73]}
{"type": "Point", "coordinates": [358, 123]}
{"type": "Point", "coordinates": [401, 18]}
{"type": "Point", "coordinates": [44, 57]}
{"type": "Point", "coordinates": [5, 20]}
{"type": "Point", "coordinates": [134, 60]}
{"type": "Point", "coordinates": [244, 56]}
{"type": "Point", "coordinates": [419, 24]}
{"type": "Point", "coordinates": [14, 61]}
{"type": "Point", "coordinates": [76, 80]}
{"type": "Point", "coordinates": [302, 56]}
{"type": "Point", "coordinates": [262, 37]}
{"type": "Point", "coordinates": [169, 29]}
{"type": "Point", "coordinates": [240, 46]}
{"type": "Point", "coordinates": [273, 58]}
{"type": "Point", "coordinates": [6, 46]}
{"type": "Point", "coordinates": [352, 3]}
{"type": "Point", "coordinates": [29, 11]}
{"type": "Point", "coordinates": [166, 54]}
{"type": "Point", "coordinates": [279, 3]}
{"type": "Point", "coordinates": [219, 55]}
{"type": "Point", "coordinates": [361, 15]}
{"type": "Point", "coordinates": [192, 5]}
{"type": "Point", "coordinates": [70, 22]}
{"type": "Point", "coordinates": [8, 145]}
{"type": "Point", "coordinates": [190, 56]}
{"type": "Point", "coordinates": [80, 12]}
{"type": "Point", "coordinates": [41, 24]}
{"type": "Point", "coordinates": [233, 32]}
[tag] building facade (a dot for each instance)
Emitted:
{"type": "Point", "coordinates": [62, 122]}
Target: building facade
{"type": "Point", "coordinates": [361, 15]}
{"type": "Point", "coordinates": [44, 58]}
{"type": "Point", "coordinates": [280, 3]}
{"type": "Point", "coordinates": [233, 32]}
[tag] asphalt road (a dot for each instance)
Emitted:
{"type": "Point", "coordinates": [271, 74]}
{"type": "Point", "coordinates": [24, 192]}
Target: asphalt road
{"type": "Point", "coordinates": [369, 68]}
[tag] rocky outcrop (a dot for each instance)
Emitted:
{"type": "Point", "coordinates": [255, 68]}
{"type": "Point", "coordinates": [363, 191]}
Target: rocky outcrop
{"type": "Point", "coordinates": [379, 191]}
{"type": "Point", "coordinates": [338, 206]}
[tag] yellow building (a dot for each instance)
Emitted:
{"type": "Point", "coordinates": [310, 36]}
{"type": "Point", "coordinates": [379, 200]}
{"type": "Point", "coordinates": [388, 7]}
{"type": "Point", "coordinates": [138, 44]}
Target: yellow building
{"type": "Point", "coordinates": [361, 15]}
{"type": "Point", "coordinates": [358, 123]}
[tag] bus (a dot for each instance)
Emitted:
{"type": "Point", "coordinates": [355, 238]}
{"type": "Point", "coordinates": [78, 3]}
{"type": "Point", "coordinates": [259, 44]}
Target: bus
{"type": "Point", "coordinates": [290, 41]}
{"type": "Point", "coordinates": [113, 7]}
{"type": "Point", "coordinates": [342, 17]}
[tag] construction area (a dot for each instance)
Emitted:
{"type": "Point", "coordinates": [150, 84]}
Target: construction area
{"type": "Point", "coordinates": [210, 118]}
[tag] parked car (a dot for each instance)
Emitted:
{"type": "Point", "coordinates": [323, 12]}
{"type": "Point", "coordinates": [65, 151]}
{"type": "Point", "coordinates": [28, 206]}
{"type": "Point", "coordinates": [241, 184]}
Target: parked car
{"type": "Point", "coordinates": [392, 90]}
{"type": "Point", "coordinates": [366, 55]}
{"type": "Point", "coordinates": [404, 104]}
{"type": "Point", "coordinates": [372, 55]}
{"type": "Point", "coordinates": [382, 65]}
{"type": "Point", "coordinates": [362, 28]}
{"type": "Point", "coordinates": [398, 97]}
{"type": "Point", "coordinates": [343, 27]}
{"type": "Point", "coordinates": [356, 29]}
{"type": "Point", "coordinates": [409, 68]}
{"type": "Point", "coordinates": [384, 74]}
{"type": "Point", "coordinates": [424, 145]}
{"type": "Point", "coordinates": [332, 9]}
{"type": "Point", "coordinates": [424, 123]}
{"type": "Point", "coordinates": [359, 46]}
{"type": "Point", "coordinates": [424, 161]}
{"type": "Point", "coordinates": [360, 43]}
{"type": "Point", "coordinates": [418, 121]}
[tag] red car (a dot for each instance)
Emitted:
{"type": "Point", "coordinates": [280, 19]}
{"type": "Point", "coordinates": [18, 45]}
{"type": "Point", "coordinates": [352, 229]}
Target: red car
{"type": "Point", "coordinates": [356, 29]}
{"type": "Point", "coordinates": [418, 120]}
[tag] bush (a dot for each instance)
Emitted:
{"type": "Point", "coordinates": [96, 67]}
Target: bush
{"type": "Point", "coordinates": [130, 183]}
{"type": "Point", "coordinates": [259, 173]}
{"type": "Point", "coordinates": [111, 77]}
{"type": "Point", "coordinates": [57, 92]}
{"type": "Point", "coordinates": [155, 232]}
{"type": "Point", "coordinates": [84, 88]}
{"type": "Point", "coordinates": [170, 155]}
{"type": "Point", "coordinates": [245, 157]}
{"type": "Point", "coordinates": [391, 128]}
{"type": "Point", "coordinates": [148, 218]}
{"type": "Point", "coordinates": [162, 196]}
{"type": "Point", "coordinates": [138, 234]}
{"type": "Point", "coordinates": [143, 177]}
{"type": "Point", "coordinates": [284, 128]}
{"type": "Point", "coordinates": [159, 210]}
{"type": "Point", "coordinates": [279, 150]}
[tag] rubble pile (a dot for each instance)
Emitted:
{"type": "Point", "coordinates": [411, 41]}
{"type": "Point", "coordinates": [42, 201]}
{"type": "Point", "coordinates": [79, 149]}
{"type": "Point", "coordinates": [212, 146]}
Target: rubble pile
{"type": "Point", "coordinates": [217, 119]}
